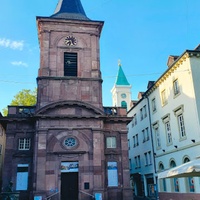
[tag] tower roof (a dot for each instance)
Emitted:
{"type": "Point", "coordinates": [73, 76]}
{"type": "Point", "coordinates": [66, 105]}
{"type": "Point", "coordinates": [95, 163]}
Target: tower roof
{"type": "Point", "coordinates": [121, 78]}
{"type": "Point", "coordinates": [70, 9]}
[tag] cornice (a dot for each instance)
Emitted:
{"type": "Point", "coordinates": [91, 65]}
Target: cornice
{"type": "Point", "coordinates": [172, 68]}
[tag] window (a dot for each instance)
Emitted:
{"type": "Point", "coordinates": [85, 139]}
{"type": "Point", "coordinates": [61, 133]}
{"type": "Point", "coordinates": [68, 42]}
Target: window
{"type": "Point", "coordinates": [176, 87]}
{"type": "Point", "coordinates": [178, 112]}
{"type": "Point", "coordinates": [157, 136]}
{"type": "Point", "coordinates": [24, 143]}
{"type": "Point", "coordinates": [128, 144]}
{"type": "Point", "coordinates": [145, 111]}
{"type": "Point", "coordinates": [70, 142]}
{"type": "Point", "coordinates": [168, 133]}
{"type": "Point", "coordinates": [163, 186]}
{"type": "Point", "coordinates": [130, 165]}
{"type": "Point", "coordinates": [153, 104]}
{"type": "Point", "coordinates": [70, 64]}
{"type": "Point", "coordinates": [163, 97]}
{"type": "Point", "coordinates": [123, 104]}
{"type": "Point", "coordinates": [22, 177]}
{"type": "Point", "coordinates": [190, 186]}
{"type": "Point", "coordinates": [175, 182]}
{"type": "Point", "coordinates": [181, 126]}
{"type": "Point", "coordinates": [134, 120]}
{"type": "Point", "coordinates": [135, 117]}
{"type": "Point", "coordinates": [166, 121]}
{"type": "Point", "coordinates": [112, 174]}
{"type": "Point", "coordinates": [149, 155]}
{"type": "Point", "coordinates": [141, 114]}
{"type": "Point", "coordinates": [135, 140]}
{"type": "Point", "coordinates": [111, 142]}
{"type": "Point", "coordinates": [148, 160]}
{"type": "Point", "coordinates": [137, 162]}
{"type": "Point", "coordinates": [145, 133]}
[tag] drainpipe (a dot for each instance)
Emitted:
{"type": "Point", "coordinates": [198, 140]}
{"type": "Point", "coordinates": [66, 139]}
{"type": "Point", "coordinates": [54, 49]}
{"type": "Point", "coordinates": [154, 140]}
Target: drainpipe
{"type": "Point", "coordinates": [154, 162]}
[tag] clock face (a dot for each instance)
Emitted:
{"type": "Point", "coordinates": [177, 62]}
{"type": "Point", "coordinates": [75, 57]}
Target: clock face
{"type": "Point", "coordinates": [70, 41]}
{"type": "Point", "coordinates": [123, 95]}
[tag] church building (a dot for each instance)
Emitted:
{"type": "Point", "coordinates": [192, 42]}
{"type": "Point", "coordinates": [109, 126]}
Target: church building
{"type": "Point", "coordinates": [68, 146]}
{"type": "Point", "coordinates": [121, 91]}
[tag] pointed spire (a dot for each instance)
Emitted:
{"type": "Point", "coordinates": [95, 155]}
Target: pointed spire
{"type": "Point", "coordinates": [121, 78]}
{"type": "Point", "coordinates": [70, 9]}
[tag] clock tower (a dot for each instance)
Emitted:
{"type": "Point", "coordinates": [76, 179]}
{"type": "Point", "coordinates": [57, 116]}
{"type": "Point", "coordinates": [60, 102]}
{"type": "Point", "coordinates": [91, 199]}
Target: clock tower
{"type": "Point", "coordinates": [121, 91]}
{"type": "Point", "coordinates": [69, 56]}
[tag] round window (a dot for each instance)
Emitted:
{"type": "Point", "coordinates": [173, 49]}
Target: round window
{"type": "Point", "coordinates": [70, 142]}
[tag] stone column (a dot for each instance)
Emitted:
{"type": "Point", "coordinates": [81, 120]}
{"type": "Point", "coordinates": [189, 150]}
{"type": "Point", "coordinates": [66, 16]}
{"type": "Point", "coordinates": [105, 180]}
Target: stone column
{"type": "Point", "coordinates": [127, 191]}
{"type": "Point", "coordinates": [98, 161]}
{"type": "Point", "coordinates": [40, 162]}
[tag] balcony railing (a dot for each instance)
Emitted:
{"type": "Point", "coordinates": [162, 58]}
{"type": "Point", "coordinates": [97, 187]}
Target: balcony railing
{"type": "Point", "coordinates": [115, 111]}
{"type": "Point", "coordinates": [21, 111]}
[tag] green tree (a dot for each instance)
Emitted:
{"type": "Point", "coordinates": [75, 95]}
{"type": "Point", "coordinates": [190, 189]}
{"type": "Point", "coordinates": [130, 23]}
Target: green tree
{"type": "Point", "coordinates": [23, 98]}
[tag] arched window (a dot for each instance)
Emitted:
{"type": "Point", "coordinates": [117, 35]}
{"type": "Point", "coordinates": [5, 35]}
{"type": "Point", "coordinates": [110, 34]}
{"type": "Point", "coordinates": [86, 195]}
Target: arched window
{"type": "Point", "coordinates": [172, 164]}
{"type": "Point", "coordinates": [175, 182]}
{"type": "Point", "coordinates": [190, 180]}
{"type": "Point", "coordinates": [162, 181]}
{"type": "Point", "coordinates": [123, 104]}
{"type": "Point", "coordinates": [161, 166]}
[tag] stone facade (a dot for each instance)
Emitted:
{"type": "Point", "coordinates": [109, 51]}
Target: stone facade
{"type": "Point", "coordinates": [69, 125]}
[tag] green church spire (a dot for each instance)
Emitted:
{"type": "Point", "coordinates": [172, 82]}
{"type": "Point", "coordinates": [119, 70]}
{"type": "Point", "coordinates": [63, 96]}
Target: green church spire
{"type": "Point", "coordinates": [121, 78]}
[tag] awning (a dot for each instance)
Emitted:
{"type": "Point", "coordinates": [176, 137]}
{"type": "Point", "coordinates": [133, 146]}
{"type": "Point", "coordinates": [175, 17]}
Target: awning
{"type": "Point", "coordinates": [189, 169]}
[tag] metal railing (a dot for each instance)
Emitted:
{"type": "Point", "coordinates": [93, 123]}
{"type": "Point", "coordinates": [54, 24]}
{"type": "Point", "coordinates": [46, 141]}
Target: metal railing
{"type": "Point", "coordinates": [87, 194]}
{"type": "Point", "coordinates": [50, 196]}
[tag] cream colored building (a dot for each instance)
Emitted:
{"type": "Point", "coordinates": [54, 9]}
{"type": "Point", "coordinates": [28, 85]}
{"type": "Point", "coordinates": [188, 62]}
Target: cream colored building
{"type": "Point", "coordinates": [174, 107]}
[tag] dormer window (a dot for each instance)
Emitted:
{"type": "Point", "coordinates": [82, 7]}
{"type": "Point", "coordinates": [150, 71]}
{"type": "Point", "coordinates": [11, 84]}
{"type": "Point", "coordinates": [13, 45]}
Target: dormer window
{"type": "Point", "coordinates": [70, 64]}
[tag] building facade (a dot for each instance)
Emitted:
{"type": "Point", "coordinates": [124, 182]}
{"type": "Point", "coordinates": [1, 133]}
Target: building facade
{"type": "Point", "coordinates": [173, 102]}
{"type": "Point", "coordinates": [141, 152]}
{"type": "Point", "coordinates": [68, 146]}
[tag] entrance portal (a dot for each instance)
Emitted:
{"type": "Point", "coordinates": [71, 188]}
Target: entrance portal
{"type": "Point", "coordinates": [69, 181]}
{"type": "Point", "coordinates": [69, 186]}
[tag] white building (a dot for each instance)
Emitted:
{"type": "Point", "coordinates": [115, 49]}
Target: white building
{"type": "Point", "coordinates": [121, 91]}
{"type": "Point", "coordinates": [174, 109]}
{"type": "Point", "coordinates": [140, 149]}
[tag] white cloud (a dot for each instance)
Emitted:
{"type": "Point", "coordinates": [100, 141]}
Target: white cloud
{"type": "Point", "coordinates": [12, 44]}
{"type": "Point", "coordinates": [19, 63]}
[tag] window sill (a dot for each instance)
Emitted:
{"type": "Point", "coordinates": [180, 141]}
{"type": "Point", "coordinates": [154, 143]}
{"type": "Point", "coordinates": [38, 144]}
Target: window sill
{"type": "Point", "coordinates": [176, 95]}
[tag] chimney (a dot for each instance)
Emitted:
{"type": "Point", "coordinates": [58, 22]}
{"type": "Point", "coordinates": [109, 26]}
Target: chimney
{"type": "Point", "coordinates": [171, 60]}
{"type": "Point", "coordinates": [140, 95]}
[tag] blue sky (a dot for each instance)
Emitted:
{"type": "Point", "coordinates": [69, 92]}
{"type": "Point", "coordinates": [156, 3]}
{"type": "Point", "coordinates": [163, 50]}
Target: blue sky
{"type": "Point", "coordinates": [142, 34]}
